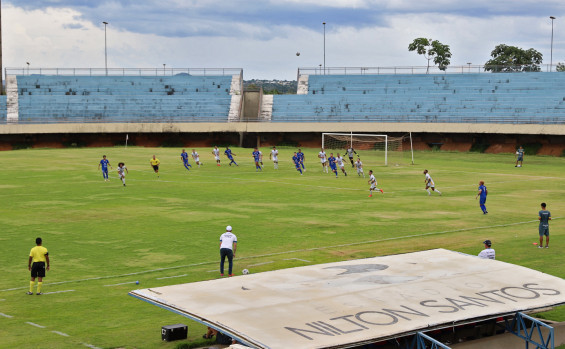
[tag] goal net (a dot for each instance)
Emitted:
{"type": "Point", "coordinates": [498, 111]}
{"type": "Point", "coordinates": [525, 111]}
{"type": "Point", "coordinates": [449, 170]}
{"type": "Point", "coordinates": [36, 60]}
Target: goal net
{"type": "Point", "coordinates": [387, 148]}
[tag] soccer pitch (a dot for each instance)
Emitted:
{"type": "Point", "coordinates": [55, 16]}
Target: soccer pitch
{"type": "Point", "coordinates": [102, 237]}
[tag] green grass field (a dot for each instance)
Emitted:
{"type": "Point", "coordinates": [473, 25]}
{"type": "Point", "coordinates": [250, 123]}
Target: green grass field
{"type": "Point", "coordinates": [167, 229]}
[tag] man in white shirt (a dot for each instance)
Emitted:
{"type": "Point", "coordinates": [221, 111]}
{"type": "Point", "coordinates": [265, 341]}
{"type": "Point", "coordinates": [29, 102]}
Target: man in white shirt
{"type": "Point", "coordinates": [359, 166]}
{"type": "Point", "coordinates": [228, 245]}
{"type": "Point", "coordinates": [488, 252]}
{"type": "Point", "coordinates": [340, 163]}
{"type": "Point", "coordinates": [196, 157]}
{"type": "Point", "coordinates": [275, 157]}
{"type": "Point", "coordinates": [373, 182]}
{"type": "Point", "coordinates": [430, 183]}
{"type": "Point", "coordinates": [323, 159]}
{"type": "Point", "coordinates": [216, 153]}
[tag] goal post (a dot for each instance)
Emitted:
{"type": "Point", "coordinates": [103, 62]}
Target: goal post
{"type": "Point", "coordinates": [385, 144]}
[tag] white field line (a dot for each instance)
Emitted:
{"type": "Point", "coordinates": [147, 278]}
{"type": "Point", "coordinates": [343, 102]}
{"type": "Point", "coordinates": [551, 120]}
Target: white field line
{"type": "Point", "coordinates": [60, 333]}
{"type": "Point", "coordinates": [59, 291]}
{"type": "Point", "coordinates": [289, 252]}
{"type": "Point", "coordinates": [1, 300]}
{"type": "Point", "coordinates": [34, 324]}
{"type": "Point", "coordinates": [6, 315]}
{"type": "Point", "coordinates": [213, 271]}
{"type": "Point", "coordinates": [258, 264]}
{"type": "Point", "coordinates": [90, 346]}
{"type": "Point", "coordinates": [297, 259]}
{"type": "Point", "coordinates": [171, 277]}
{"type": "Point", "coordinates": [121, 283]}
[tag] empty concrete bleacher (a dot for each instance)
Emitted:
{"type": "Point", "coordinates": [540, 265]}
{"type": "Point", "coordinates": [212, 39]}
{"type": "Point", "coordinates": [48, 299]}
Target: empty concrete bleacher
{"type": "Point", "coordinates": [180, 98]}
{"type": "Point", "coordinates": [461, 98]}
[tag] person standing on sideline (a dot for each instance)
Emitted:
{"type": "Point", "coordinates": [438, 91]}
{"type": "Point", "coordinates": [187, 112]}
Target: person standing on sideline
{"type": "Point", "coordinates": [300, 155]}
{"type": "Point", "coordinates": [184, 158]}
{"type": "Point", "coordinates": [228, 246]}
{"type": "Point", "coordinates": [430, 183]}
{"type": "Point", "coordinates": [155, 164]}
{"type": "Point", "coordinates": [104, 163]}
{"type": "Point", "coordinates": [39, 256]}
{"type": "Point", "coordinates": [322, 157]}
{"type": "Point", "coordinates": [122, 170]}
{"type": "Point", "coordinates": [483, 192]}
{"type": "Point", "coordinates": [275, 157]}
{"type": "Point", "coordinates": [488, 252]}
{"type": "Point", "coordinates": [519, 156]}
{"type": "Point", "coordinates": [544, 218]}
{"type": "Point", "coordinates": [216, 153]}
{"type": "Point", "coordinates": [373, 182]}
{"type": "Point", "coordinates": [195, 157]}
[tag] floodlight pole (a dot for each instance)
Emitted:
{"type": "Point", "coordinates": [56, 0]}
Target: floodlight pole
{"type": "Point", "coordinates": [1, 70]}
{"type": "Point", "coordinates": [324, 23]}
{"type": "Point", "coordinates": [27, 68]}
{"type": "Point", "coordinates": [105, 49]}
{"type": "Point", "coordinates": [551, 56]}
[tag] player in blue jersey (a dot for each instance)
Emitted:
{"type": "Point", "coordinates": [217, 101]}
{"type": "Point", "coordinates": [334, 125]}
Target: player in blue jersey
{"type": "Point", "coordinates": [104, 163]}
{"type": "Point", "coordinates": [230, 156]}
{"type": "Point", "coordinates": [483, 192]}
{"type": "Point", "coordinates": [257, 157]}
{"type": "Point", "coordinates": [184, 158]}
{"type": "Point", "coordinates": [331, 161]}
{"type": "Point", "coordinates": [296, 161]}
{"type": "Point", "coordinates": [300, 155]}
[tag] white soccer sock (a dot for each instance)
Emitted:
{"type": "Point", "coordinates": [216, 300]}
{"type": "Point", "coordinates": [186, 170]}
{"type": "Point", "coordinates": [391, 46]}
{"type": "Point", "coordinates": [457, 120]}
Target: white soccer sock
{"type": "Point", "coordinates": [428, 192]}
{"type": "Point", "coordinates": [439, 192]}
{"type": "Point", "coordinates": [124, 180]}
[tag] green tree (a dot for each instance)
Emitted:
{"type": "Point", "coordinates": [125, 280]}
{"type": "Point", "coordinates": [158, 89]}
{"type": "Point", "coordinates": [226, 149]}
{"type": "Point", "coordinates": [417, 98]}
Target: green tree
{"type": "Point", "coordinates": [432, 50]}
{"type": "Point", "coordinates": [560, 67]}
{"type": "Point", "coordinates": [513, 59]}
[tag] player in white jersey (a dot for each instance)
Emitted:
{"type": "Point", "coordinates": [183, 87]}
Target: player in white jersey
{"type": "Point", "coordinates": [275, 157]}
{"type": "Point", "coordinates": [350, 152]}
{"type": "Point", "coordinates": [196, 157]}
{"type": "Point", "coordinates": [430, 183]}
{"type": "Point", "coordinates": [261, 158]}
{"type": "Point", "coordinates": [324, 160]}
{"type": "Point", "coordinates": [122, 170]}
{"type": "Point", "coordinates": [340, 163]}
{"type": "Point", "coordinates": [373, 182]}
{"type": "Point", "coordinates": [228, 245]}
{"type": "Point", "coordinates": [216, 153]}
{"type": "Point", "coordinates": [359, 166]}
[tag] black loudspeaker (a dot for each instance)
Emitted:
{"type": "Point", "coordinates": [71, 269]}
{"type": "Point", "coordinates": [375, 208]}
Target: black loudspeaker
{"type": "Point", "coordinates": [174, 332]}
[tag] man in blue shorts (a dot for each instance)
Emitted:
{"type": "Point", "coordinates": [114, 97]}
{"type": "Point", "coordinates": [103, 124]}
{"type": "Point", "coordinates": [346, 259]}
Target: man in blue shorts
{"type": "Point", "coordinates": [544, 218]}
{"type": "Point", "coordinates": [483, 192]}
{"type": "Point", "coordinates": [184, 158]}
{"type": "Point", "coordinates": [257, 157]}
{"type": "Point", "coordinates": [296, 161]}
{"type": "Point", "coordinates": [230, 156]}
{"type": "Point", "coordinates": [104, 163]}
{"type": "Point", "coordinates": [331, 161]}
{"type": "Point", "coordinates": [300, 155]}
{"type": "Point", "coordinates": [519, 156]}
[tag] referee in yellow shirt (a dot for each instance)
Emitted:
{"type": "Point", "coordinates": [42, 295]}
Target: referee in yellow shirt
{"type": "Point", "coordinates": [39, 256]}
{"type": "Point", "coordinates": [155, 164]}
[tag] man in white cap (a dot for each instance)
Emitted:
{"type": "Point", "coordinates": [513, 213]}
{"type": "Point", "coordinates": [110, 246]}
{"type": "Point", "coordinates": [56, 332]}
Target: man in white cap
{"type": "Point", "coordinates": [488, 252]}
{"type": "Point", "coordinates": [228, 245]}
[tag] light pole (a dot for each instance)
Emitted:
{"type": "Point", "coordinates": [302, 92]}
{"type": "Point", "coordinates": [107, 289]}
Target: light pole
{"type": "Point", "coordinates": [551, 56]}
{"type": "Point", "coordinates": [105, 49]}
{"type": "Point", "coordinates": [320, 65]}
{"type": "Point", "coordinates": [164, 68]}
{"type": "Point", "coordinates": [27, 68]}
{"type": "Point", "coordinates": [469, 64]}
{"type": "Point", "coordinates": [324, 23]}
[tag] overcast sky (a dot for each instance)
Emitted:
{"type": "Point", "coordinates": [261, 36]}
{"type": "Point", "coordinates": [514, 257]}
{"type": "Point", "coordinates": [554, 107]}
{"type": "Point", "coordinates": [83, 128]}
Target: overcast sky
{"type": "Point", "coordinates": [263, 36]}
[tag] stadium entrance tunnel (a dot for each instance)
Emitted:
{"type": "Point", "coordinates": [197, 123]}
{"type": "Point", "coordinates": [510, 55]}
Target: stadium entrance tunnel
{"type": "Point", "coordinates": [381, 300]}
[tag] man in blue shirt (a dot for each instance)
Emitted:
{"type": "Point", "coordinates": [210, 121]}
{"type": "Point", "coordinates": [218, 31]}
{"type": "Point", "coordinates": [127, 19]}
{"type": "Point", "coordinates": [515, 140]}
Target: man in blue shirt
{"type": "Point", "coordinates": [300, 155]}
{"type": "Point", "coordinates": [257, 157]}
{"type": "Point", "coordinates": [296, 161]}
{"type": "Point", "coordinates": [544, 218]}
{"type": "Point", "coordinates": [483, 192]}
{"type": "Point", "coordinates": [184, 158]}
{"type": "Point", "coordinates": [230, 156]}
{"type": "Point", "coordinates": [104, 163]}
{"type": "Point", "coordinates": [331, 161]}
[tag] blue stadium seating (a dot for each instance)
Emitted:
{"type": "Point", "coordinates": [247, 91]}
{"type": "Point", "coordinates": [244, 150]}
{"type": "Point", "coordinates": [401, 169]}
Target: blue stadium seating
{"type": "Point", "coordinates": [3, 107]}
{"type": "Point", "coordinates": [462, 98]}
{"type": "Point", "coordinates": [179, 98]}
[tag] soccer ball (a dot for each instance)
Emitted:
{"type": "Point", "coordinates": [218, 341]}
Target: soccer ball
{"type": "Point", "coordinates": [245, 271]}
{"type": "Point", "coordinates": [519, 165]}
